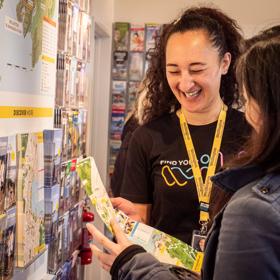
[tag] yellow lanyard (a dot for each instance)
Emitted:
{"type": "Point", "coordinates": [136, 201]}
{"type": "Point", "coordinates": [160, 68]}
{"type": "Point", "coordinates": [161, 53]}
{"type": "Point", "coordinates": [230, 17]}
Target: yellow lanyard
{"type": "Point", "coordinates": [204, 188]}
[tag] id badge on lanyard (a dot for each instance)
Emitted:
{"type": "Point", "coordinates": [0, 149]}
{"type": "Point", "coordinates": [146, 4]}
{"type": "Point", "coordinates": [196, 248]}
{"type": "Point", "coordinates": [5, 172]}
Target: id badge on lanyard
{"type": "Point", "coordinates": [198, 240]}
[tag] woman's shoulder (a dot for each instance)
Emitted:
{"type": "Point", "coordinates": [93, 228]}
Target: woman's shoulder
{"type": "Point", "coordinates": [268, 190]}
{"type": "Point", "coordinates": [166, 121]}
{"type": "Point", "coordinates": [164, 127]}
{"type": "Point", "coordinates": [168, 117]}
{"type": "Point", "coordinates": [261, 195]}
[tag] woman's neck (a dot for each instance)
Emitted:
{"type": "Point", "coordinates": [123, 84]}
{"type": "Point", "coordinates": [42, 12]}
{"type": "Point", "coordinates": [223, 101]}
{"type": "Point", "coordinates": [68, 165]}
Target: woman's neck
{"type": "Point", "coordinates": [210, 115]}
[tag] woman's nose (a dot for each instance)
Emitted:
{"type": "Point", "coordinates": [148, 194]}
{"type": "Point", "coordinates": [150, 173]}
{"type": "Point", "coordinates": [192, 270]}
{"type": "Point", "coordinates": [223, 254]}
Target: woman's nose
{"type": "Point", "coordinates": [186, 82]}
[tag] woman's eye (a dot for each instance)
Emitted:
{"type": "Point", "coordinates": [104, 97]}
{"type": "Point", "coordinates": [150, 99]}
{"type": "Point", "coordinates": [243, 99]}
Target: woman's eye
{"type": "Point", "coordinates": [196, 70]}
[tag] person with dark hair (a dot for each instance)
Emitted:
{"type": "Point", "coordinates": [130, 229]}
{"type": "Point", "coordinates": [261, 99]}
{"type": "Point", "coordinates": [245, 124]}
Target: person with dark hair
{"type": "Point", "coordinates": [243, 242]}
{"type": "Point", "coordinates": [191, 92]}
{"type": "Point", "coordinates": [266, 34]}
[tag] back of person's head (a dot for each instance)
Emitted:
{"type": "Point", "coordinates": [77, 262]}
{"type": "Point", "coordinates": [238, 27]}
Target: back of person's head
{"type": "Point", "coordinates": [258, 74]}
{"type": "Point", "coordinates": [225, 36]}
{"type": "Point", "coordinates": [140, 103]}
{"type": "Point", "coordinates": [266, 34]}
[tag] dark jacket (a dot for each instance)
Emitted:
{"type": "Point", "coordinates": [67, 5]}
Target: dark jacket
{"type": "Point", "coordinates": [244, 241]}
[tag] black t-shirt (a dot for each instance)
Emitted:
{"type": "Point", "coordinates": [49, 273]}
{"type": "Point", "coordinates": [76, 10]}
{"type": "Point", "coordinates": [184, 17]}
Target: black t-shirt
{"type": "Point", "coordinates": [158, 171]}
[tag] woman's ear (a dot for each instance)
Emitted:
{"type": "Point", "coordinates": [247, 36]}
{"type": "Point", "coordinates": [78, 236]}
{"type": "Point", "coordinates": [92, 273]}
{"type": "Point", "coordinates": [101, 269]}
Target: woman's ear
{"type": "Point", "coordinates": [225, 63]}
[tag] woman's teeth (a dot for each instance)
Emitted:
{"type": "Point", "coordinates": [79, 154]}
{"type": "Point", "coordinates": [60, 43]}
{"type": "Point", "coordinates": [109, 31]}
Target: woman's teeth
{"type": "Point", "coordinates": [192, 94]}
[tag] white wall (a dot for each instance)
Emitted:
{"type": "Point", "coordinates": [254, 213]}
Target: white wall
{"type": "Point", "coordinates": [99, 103]}
{"type": "Point", "coordinates": [252, 15]}
{"type": "Point", "coordinates": [102, 11]}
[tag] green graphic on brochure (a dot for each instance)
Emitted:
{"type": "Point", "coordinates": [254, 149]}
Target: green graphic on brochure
{"type": "Point", "coordinates": [164, 247]}
{"type": "Point", "coordinates": [31, 14]}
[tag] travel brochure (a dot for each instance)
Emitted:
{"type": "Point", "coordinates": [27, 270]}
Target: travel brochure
{"type": "Point", "coordinates": [137, 37]}
{"type": "Point", "coordinates": [7, 243]}
{"type": "Point", "coordinates": [73, 55]}
{"type": "Point", "coordinates": [164, 247]}
{"type": "Point", "coordinates": [30, 231]}
{"type": "Point", "coordinates": [73, 123]}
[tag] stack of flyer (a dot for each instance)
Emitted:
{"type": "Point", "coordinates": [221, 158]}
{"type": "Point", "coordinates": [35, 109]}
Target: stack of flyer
{"type": "Point", "coordinates": [133, 45]}
{"type": "Point", "coordinates": [7, 243]}
{"type": "Point", "coordinates": [30, 230]}
{"type": "Point", "coordinates": [164, 247]}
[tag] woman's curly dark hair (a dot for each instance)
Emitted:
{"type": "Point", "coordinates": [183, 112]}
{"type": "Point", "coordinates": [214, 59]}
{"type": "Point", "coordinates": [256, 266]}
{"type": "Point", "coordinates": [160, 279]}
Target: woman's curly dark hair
{"type": "Point", "coordinates": [224, 34]}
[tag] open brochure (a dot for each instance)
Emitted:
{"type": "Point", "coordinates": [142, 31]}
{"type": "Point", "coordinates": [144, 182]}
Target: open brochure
{"type": "Point", "coordinates": [164, 247]}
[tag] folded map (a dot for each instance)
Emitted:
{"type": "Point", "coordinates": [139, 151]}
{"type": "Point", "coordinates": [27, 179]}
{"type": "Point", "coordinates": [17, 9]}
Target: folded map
{"type": "Point", "coordinates": [165, 248]}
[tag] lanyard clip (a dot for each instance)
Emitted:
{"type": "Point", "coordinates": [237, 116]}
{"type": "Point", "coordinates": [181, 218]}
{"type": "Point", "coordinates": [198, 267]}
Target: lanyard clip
{"type": "Point", "coordinates": [203, 228]}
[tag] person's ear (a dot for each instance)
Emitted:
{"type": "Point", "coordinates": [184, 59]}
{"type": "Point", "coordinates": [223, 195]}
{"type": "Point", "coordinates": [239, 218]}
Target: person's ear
{"type": "Point", "coordinates": [225, 63]}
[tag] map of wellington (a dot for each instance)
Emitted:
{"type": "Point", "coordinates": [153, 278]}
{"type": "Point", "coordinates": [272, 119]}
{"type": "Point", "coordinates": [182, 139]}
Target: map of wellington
{"type": "Point", "coordinates": [31, 13]}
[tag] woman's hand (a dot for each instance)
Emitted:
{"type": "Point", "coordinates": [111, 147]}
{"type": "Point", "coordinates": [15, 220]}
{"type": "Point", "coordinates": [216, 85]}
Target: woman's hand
{"type": "Point", "coordinates": [127, 207]}
{"type": "Point", "coordinates": [114, 249]}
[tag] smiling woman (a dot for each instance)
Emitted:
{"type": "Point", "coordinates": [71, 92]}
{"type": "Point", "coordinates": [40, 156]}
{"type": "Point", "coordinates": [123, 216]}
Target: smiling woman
{"type": "Point", "coordinates": [194, 70]}
{"type": "Point", "coordinates": [191, 89]}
